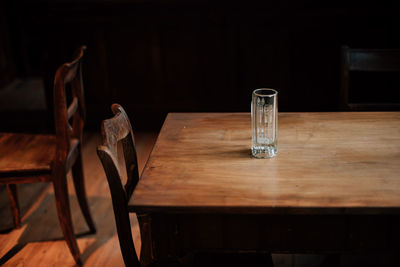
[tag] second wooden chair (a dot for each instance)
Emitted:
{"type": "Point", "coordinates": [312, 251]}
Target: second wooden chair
{"type": "Point", "coordinates": [28, 158]}
{"type": "Point", "coordinates": [118, 130]}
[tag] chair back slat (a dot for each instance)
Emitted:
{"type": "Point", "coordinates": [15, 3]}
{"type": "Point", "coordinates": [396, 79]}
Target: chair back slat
{"type": "Point", "coordinates": [68, 74]}
{"type": "Point", "coordinates": [71, 74]}
{"type": "Point", "coordinates": [376, 60]}
{"type": "Point", "coordinates": [118, 129]}
{"type": "Point", "coordinates": [72, 108]}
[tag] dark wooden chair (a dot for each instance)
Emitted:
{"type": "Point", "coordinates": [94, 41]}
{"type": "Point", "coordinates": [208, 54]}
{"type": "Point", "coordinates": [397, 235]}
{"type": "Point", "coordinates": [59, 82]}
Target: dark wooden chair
{"type": "Point", "coordinates": [27, 158]}
{"type": "Point", "coordinates": [118, 130]}
{"type": "Point", "coordinates": [367, 65]}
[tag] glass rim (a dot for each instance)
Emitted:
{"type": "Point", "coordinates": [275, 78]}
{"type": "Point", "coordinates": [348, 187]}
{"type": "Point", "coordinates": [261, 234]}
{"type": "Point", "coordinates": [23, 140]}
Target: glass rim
{"type": "Point", "coordinates": [257, 92]}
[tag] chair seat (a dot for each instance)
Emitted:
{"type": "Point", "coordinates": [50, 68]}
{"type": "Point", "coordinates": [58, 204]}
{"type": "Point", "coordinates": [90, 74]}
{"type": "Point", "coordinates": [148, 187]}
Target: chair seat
{"type": "Point", "coordinates": [25, 153]}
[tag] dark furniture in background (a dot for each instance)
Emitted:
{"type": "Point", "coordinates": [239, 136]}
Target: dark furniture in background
{"type": "Point", "coordinates": [27, 158]}
{"type": "Point", "coordinates": [155, 57]}
{"type": "Point", "coordinates": [377, 72]}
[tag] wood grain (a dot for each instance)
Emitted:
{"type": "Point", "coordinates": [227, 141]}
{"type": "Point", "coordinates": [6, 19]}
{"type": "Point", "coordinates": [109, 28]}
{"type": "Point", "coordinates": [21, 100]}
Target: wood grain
{"type": "Point", "coordinates": [41, 237]}
{"type": "Point", "coordinates": [326, 162]}
{"type": "Point", "coordinates": [37, 155]}
{"type": "Point", "coordinates": [114, 131]}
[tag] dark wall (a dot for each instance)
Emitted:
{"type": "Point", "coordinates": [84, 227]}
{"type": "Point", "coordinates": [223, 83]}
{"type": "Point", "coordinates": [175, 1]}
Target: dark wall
{"type": "Point", "coordinates": [7, 66]}
{"type": "Point", "coordinates": [155, 57]}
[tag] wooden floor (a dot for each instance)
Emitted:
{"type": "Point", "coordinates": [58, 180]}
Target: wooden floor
{"type": "Point", "coordinates": [39, 242]}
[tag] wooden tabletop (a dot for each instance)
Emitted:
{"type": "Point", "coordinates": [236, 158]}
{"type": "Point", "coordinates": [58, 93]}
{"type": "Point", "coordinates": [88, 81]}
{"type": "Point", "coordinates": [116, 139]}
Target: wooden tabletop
{"type": "Point", "coordinates": [326, 162]}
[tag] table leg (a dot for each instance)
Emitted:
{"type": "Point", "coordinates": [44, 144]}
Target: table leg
{"type": "Point", "coordinates": [147, 252]}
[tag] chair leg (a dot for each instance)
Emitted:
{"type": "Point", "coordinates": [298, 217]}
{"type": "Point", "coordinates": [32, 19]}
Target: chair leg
{"type": "Point", "coordinates": [13, 196]}
{"type": "Point", "coordinates": [64, 215]}
{"type": "Point", "coordinates": [77, 174]}
{"type": "Point", "coordinates": [146, 251]}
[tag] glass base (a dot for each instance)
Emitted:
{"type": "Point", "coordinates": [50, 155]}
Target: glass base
{"type": "Point", "coordinates": [262, 152]}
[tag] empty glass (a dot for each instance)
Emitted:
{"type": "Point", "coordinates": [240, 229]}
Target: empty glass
{"type": "Point", "coordinates": [264, 123]}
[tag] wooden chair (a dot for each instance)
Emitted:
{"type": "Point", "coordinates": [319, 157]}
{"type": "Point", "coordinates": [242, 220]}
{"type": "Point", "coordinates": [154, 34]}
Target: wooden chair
{"type": "Point", "coordinates": [369, 62]}
{"type": "Point", "coordinates": [118, 130]}
{"type": "Point", "coordinates": [28, 158]}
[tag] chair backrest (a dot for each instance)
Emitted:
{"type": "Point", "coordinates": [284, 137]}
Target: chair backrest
{"type": "Point", "coordinates": [118, 130]}
{"type": "Point", "coordinates": [68, 82]}
{"type": "Point", "coordinates": [368, 61]}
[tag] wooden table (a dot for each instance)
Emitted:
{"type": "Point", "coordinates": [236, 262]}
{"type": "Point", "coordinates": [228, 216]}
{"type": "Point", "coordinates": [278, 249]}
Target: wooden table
{"type": "Point", "coordinates": [333, 187]}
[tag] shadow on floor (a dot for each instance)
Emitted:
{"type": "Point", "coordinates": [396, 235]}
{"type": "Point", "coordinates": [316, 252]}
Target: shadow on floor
{"type": "Point", "coordinates": [42, 225]}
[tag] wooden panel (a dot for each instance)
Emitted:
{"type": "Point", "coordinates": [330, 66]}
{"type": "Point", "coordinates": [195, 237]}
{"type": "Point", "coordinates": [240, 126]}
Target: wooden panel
{"type": "Point", "coordinates": [7, 65]}
{"type": "Point", "coordinates": [327, 162]}
{"type": "Point", "coordinates": [278, 234]}
{"type": "Point", "coordinates": [199, 65]}
{"type": "Point", "coordinates": [158, 57]}
{"type": "Point", "coordinates": [264, 61]}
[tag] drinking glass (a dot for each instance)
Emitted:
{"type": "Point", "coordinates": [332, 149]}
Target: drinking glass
{"type": "Point", "coordinates": [264, 123]}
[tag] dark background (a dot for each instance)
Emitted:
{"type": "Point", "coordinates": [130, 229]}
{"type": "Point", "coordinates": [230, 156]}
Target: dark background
{"type": "Point", "coordinates": [155, 57]}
